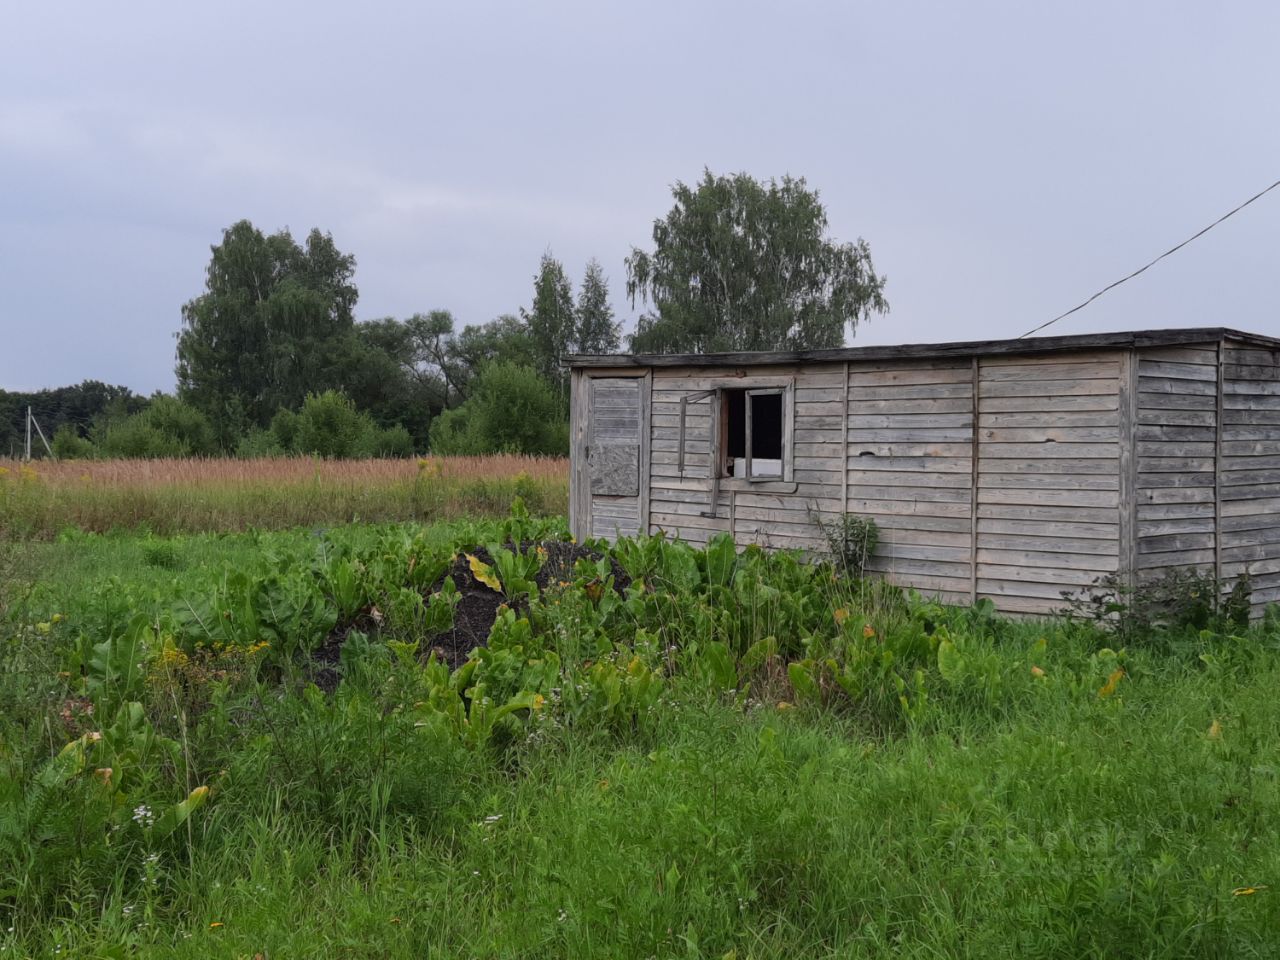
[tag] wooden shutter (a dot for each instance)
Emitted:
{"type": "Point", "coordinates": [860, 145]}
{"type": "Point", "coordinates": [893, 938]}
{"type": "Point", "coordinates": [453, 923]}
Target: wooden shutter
{"type": "Point", "coordinates": [613, 445]}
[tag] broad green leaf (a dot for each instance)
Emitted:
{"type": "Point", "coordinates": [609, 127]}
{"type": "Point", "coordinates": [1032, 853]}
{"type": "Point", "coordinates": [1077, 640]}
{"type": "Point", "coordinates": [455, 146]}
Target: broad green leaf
{"type": "Point", "coordinates": [950, 661]}
{"type": "Point", "coordinates": [177, 814]}
{"type": "Point", "coordinates": [71, 759]}
{"type": "Point", "coordinates": [801, 675]}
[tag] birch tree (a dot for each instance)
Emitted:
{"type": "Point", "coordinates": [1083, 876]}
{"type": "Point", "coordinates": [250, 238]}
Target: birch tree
{"type": "Point", "coordinates": [742, 265]}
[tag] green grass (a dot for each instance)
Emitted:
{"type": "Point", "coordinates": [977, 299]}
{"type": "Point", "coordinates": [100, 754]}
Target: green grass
{"type": "Point", "coordinates": [1000, 814]}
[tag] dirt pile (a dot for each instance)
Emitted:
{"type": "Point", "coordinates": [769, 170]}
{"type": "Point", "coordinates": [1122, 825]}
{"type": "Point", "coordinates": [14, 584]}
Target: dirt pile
{"type": "Point", "coordinates": [475, 613]}
{"type": "Point", "coordinates": [478, 605]}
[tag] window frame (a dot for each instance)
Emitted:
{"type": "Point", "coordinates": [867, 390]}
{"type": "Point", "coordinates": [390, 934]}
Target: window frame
{"type": "Point", "coordinates": [784, 453]}
{"type": "Point", "coordinates": [713, 392]}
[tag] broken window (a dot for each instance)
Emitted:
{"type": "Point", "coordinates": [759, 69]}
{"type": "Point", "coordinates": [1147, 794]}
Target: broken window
{"type": "Point", "coordinates": [748, 435]}
{"type": "Point", "coordinates": [751, 426]}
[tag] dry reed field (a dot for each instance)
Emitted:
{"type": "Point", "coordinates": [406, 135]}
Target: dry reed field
{"type": "Point", "coordinates": [195, 495]}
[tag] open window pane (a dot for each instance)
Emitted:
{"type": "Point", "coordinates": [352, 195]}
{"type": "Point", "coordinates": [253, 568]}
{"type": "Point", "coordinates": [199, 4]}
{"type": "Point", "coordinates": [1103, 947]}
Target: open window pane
{"type": "Point", "coordinates": [752, 434]}
{"type": "Point", "coordinates": [734, 411]}
{"type": "Point", "coordinates": [765, 422]}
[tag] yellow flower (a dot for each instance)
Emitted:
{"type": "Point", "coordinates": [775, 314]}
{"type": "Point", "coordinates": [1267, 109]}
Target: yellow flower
{"type": "Point", "coordinates": [783, 706]}
{"type": "Point", "coordinates": [538, 701]}
{"type": "Point", "coordinates": [57, 618]}
{"type": "Point", "coordinates": [1113, 681]}
{"type": "Point", "coordinates": [1248, 891]}
{"type": "Point", "coordinates": [868, 631]}
{"type": "Point", "coordinates": [1215, 731]}
{"type": "Point", "coordinates": [215, 925]}
{"type": "Point", "coordinates": [841, 615]}
{"type": "Point", "coordinates": [1037, 672]}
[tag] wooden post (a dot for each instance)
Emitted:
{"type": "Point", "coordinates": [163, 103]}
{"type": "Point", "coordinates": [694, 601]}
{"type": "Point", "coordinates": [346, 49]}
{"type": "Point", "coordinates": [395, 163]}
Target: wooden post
{"type": "Point", "coordinates": [646, 453]}
{"type": "Point", "coordinates": [40, 433]}
{"type": "Point", "coordinates": [715, 456]}
{"type": "Point", "coordinates": [1217, 469]}
{"type": "Point", "coordinates": [973, 490]}
{"type": "Point", "coordinates": [579, 489]}
{"type": "Point", "coordinates": [1128, 519]}
{"type": "Point", "coordinates": [844, 447]}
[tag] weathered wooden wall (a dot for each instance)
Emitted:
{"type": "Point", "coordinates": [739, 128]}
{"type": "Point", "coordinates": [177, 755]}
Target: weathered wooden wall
{"type": "Point", "coordinates": [679, 501]}
{"type": "Point", "coordinates": [1049, 476]}
{"type": "Point", "coordinates": [775, 514]}
{"type": "Point", "coordinates": [910, 463]}
{"type": "Point", "coordinates": [1176, 437]}
{"type": "Point", "coordinates": [609, 474]}
{"type": "Point", "coordinates": [1013, 477]}
{"type": "Point", "coordinates": [1208, 442]}
{"type": "Point", "coordinates": [1036, 513]}
{"type": "Point", "coordinates": [1249, 471]}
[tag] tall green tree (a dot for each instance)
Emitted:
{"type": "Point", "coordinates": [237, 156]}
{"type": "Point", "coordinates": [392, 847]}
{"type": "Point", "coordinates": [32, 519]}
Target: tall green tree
{"type": "Point", "coordinates": [431, 336]}
{"type": "Point", "coordinates": [74, 407]}
{"type": "Point", "coordinates": [166, 428]}
{"type": "Point", "coordinates": [504, 340]}
{"type": "Point", "coordinates": [379, 372]}
{"type": "Point", "coordinates": [511, 410]}
{"type": "Point", "coordinates": [552, 318]}
{"type": "Point", "coordinates": [268, 328]}
{"type": "Point", "coordinates": [595, 331]}
{"type": "Point", "coordinates": [742, 265]}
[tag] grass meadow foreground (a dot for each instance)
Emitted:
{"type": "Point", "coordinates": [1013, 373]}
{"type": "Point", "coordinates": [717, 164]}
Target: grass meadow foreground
{"type": "Point", "coordinates": [233, 745]}
{"type": "Point", "coordinates": [208, 495]}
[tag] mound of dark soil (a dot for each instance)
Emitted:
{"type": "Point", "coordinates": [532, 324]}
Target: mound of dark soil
{"type": "Point", "coordinates": [324, 659]}
{"type": "Point", "coordinates": [474, 615]}
{"type": "Point", "coordinates": [478, 605]}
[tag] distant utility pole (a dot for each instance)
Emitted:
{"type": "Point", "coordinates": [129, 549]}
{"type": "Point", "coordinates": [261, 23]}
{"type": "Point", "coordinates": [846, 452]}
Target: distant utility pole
{"type": "Point", "coordinates": [31, 422]}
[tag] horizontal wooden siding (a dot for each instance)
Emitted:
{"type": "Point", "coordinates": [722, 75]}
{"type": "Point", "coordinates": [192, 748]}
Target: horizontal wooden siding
{"type": "Point", "coordinates": [1249, 475]}
{"type": "Point", "coordinates": [1175, 445]}
{"type": "Point", "coordinates": [910, 468]}
{"type": "Point", "coordinates": [1048, 477]}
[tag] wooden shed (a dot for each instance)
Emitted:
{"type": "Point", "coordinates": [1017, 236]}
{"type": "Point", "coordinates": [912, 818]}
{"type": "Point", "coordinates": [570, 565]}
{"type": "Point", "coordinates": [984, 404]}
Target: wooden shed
{"type": "Point", "coordinates": [1008, 469]}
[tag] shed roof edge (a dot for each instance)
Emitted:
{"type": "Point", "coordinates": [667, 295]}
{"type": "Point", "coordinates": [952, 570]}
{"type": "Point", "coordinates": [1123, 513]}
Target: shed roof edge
{"type": "Point", "coordinates": [967, 348]}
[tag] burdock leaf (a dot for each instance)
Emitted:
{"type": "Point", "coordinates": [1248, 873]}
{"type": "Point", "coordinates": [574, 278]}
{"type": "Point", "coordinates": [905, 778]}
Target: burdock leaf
{"type": "Point", "coordinates": [484, 573]}
{"type": "Point", "coordinates": [177, 814]}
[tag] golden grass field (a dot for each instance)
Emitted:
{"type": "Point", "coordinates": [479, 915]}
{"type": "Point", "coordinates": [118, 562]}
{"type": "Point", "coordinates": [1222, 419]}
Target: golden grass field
{"type": "Point", "coordinates": [38, 500]}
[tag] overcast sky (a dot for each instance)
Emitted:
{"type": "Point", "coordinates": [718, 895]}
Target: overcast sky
{"type": "Point", "coordinates": [1003, 160]}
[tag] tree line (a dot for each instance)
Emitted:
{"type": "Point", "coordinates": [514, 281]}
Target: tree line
{"type": "Point", "coordinates": [271, 360]}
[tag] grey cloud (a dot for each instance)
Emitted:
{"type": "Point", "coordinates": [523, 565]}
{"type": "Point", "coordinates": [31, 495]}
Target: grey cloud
{"type": "Point", "coordinates": [1004, 160]}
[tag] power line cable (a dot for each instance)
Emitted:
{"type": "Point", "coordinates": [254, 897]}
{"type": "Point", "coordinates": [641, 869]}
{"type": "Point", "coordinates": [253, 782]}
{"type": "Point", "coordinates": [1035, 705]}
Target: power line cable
{"type": "Point", "coordinates": [1143, 269]}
